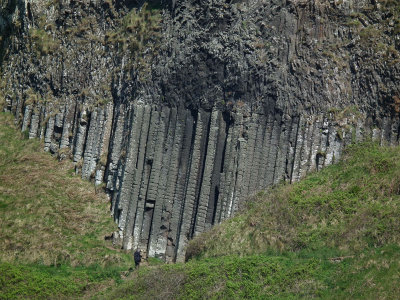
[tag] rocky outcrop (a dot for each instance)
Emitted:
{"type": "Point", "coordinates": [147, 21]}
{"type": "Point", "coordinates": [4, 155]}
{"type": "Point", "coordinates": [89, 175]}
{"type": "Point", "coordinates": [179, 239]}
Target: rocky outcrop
{"type": "Point", "coordinates": [173, 173]}
{"type": "Point", "coordinates": [182, 120]}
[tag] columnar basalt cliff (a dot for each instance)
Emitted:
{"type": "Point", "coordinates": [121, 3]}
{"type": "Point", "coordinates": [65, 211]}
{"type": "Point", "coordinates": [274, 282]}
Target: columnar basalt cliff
{"type": "Point", "coordinates": [182, 109]}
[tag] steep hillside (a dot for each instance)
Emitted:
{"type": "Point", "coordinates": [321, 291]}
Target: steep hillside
{"type": "Point", "coordinates": [52, 225]}
{"type": "Point", "coordinates": [334, 235]}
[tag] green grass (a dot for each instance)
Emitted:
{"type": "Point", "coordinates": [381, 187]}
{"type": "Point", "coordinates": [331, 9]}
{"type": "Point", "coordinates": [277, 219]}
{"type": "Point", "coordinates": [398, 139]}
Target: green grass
{"type": "Point", "coordinates": [229, 277]}
{"type": "Point", "coordinates": [372, 274]}
{"type": "Point", "coordinates": [43, 43]}
{"type": "Point", "coordinates": [52, 225]}
{"type": "Point", "coordinates": [44, 282]}
{"type": "Point", "coordinates": [138, 32]}
{"type": "Point", "coordinates": [138, 29]}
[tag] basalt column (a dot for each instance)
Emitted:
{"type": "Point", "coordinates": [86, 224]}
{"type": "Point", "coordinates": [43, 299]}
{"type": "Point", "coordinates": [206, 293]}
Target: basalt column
{"type": "Point", "coordinates": [172, 173]}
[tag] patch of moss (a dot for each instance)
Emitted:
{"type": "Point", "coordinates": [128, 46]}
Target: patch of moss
{"type": "Point", "coordinates": [42, 42]}
{"type": "Point", "coordinates": [139, 31]}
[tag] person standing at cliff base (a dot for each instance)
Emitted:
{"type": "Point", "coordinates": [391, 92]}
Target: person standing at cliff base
{"type": "Point", "coordinates": [137, 257]}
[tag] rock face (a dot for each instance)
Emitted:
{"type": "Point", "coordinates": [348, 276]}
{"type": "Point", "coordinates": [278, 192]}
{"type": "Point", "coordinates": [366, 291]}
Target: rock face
{"type": "Point", "coordinates": [184, 111]}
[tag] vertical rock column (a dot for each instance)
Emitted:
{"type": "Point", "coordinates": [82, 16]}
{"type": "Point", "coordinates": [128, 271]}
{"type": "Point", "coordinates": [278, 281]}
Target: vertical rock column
{"type": "Point", "coordinates": [154, 201]}
{"type": "Point", "coordinates": [164, 241]}
{"type": "Point", "coordinates": [257, 165]}
{"type": "Point", "coordinates": [273, 150]}
{"type": "Point", "coordinates": [266, 145]}
{"type": "Point", "coordinates": [120, 117]}
{"type": "Point", "coordinates": [67, 125]}
{"type": "Point", "coordinates": [301, 127]}
{"type": "Point", "coordinates": [26, 117]}
{"type": "Point", "coordinates": [134, 201]}
{"type": "Point", "coordinates": [49, 132]}
{"type": "Point", "coordinates": [248, 158]}
{"type": "Point", "coordinates": [158, 235]}
{"type": "Point", "coordinates": [206, 184]}
{"type": "Point", "coordinates": [80, 136]}
{"type": "Point", "coordinates": [229, 178]}
{"type": "Point", "coordinates": [194, 178]}
{"type": "Point", "coordinates": [218, 169]}
{"type": "Point", "coordinates": [129, 167]}
{"type": "Point", "coordinates": [90, 153]}
{"type": "Point", "coordinates": [185, 150]}
{"type": "Point", "coordinates": [34, 124]}
{"type": "Point", "coordinates": [104, 143]}
{"type": "Point", "coordinates": [145, 208]}
{"type": "Point", "coordinates": [121, 136]}
{"type": "Point", "coordinates": [282, 153]}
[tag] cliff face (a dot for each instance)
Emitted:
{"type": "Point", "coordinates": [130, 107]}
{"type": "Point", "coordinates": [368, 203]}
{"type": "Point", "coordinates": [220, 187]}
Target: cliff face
{"type": "Point", "coordinates": [185, 108]}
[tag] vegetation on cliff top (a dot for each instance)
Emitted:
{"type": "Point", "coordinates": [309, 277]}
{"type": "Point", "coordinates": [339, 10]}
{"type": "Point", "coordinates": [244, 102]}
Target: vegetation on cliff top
{"type": "Point", "coordinates": [138, 32]}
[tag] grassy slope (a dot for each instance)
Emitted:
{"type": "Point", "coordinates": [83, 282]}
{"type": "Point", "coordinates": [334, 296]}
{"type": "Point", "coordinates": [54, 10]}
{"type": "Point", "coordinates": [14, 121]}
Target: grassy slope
{"type": "Point", "coordinates": [334, 235]}
{"type": "Point", "coordinates": [347, 207]}
{"type": "Point", "coordinates": [52, 225]}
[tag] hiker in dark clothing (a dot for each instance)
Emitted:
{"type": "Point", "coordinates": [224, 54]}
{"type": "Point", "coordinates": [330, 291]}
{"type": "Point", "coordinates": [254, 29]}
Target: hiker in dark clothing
{"type": "Point", "coordinates": [137, 257]}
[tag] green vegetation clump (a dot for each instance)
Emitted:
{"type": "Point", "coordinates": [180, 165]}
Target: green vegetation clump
{"type": "Point", "coordinates": [43, 43]}
{"type": "Point", "coordinates": [227, 277]}
{"type": "Point", "coordinates": [138, 32]}
{"type": "Point", "coordinates": [373, 274]}
{"type": "Point", "coordinates": [35, 281]}
{"type": "Point", "coordinates": [3, 93]}
{"type": "Point", "coordinates": [378, 33]}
